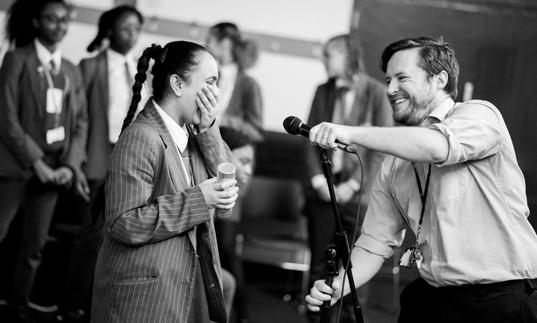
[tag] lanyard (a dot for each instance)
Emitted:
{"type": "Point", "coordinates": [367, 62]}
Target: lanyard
{"type": "Point", "coordinates": [50, 83]}
{"type": "Point", "coordinates": [423, 196]}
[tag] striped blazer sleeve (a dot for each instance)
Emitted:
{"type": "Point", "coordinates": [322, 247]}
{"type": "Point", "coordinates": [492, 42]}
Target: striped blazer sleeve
{"type": "Point", "coordinates": [134, 215]}
{"type": "Point", "coordinates": [213, 149]}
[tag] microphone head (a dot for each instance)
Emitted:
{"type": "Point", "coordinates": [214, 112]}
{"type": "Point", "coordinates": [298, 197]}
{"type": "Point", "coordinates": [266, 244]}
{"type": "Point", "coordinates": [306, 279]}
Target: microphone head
{"type": "Point", "coordinates": [292, 125]}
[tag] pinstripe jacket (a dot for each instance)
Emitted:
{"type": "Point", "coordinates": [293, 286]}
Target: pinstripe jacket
{"type": "Point", "coordinates": [147, 265]}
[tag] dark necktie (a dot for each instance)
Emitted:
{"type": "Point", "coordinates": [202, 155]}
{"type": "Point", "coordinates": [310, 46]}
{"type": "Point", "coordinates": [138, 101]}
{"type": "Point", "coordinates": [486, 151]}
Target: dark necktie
{"type": "Point", "coordinates": [53, 67]}
{"type": "Point", "coordinates": [213, 290]}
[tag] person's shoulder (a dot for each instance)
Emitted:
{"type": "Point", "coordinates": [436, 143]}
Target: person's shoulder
{"type": "Point", "coordinates": [246, 79]}
{"type": "Point", "coordinates": [21, 53]}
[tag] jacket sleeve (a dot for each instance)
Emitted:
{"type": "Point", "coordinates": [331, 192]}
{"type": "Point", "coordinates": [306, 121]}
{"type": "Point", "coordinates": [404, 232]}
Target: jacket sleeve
{"type": "Point", "coordinates": [312, 163]}
{"type": "Point", "coordinates": [79, 127]}
{"type": "Point", "coordinates": [251, 123]}
{"type": "Point", "coordinates": [381, 117]}
{"type": "Point", "coordinates": [11, 131]}
{"type": "Point", "coordinates": [213, 149]}
{"type": "Point", "coordinates": [134, 215]}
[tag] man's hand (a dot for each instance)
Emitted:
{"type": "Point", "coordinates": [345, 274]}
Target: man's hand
{"type": "Point", "coordinates": [344, 192]}
{"type": "Point", "coordinates": [321, 292]}
{"type": "Point", "coordinates": [325, 135]}
{"type": "Point", "coordinates": [207, 102]}
{"type": "Point", "coordinates": [324, 193]}
{"type": "Point", "coordinates": [220, 195]}
{"type": "Point", "coordinates": [43, 172]}
{"type": "Point", "coordinates": [63, 175]}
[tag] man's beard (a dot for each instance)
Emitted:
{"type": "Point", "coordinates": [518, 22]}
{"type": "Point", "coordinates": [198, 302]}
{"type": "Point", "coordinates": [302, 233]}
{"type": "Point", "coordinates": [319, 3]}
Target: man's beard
{"type": "Point", "coordinates": [416, 112]}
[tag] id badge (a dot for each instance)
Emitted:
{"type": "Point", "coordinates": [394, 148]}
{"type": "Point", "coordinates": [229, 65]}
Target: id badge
{"type": "Point", "coordinates": [55, 135]}
{"type": "Point", "coordinates": [54, 100]}
{"type": "Point", "coordinates": [411, 256]}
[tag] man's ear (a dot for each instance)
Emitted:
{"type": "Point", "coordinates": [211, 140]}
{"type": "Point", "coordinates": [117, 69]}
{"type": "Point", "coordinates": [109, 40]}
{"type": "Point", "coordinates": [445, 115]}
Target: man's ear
{"type": "Point", "coordinates": [177, 84]}
{"type": "Point", "coordinates": [442, 80]}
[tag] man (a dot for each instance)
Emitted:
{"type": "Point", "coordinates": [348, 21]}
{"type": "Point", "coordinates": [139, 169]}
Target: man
{"type": "Point", "coordinates": [453, 179]}
{"type": "Point", "coordinates": [353, 98]}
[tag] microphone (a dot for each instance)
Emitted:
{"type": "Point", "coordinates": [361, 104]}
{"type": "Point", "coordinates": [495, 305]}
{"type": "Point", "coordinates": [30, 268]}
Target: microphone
{"type": "Point", "coordinates": [295, 126]}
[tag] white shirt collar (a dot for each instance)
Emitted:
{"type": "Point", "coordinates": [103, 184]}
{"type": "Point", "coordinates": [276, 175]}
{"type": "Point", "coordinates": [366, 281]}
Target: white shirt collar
{"type": "Point", "coordinates": [45, 56]}
{"type": "Point", "coordinates": [112, 55]}
{"type": "Point", "coordinates": [441, 111]}
{"type": "Point", "coordinates": [179, 134]}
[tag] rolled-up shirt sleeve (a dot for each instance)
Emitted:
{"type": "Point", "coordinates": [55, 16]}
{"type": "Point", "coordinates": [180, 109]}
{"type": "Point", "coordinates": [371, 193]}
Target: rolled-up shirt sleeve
{"type": "Point", "coordinates": [473, 132]}
{"type": "Point", "coordinates": [384, 227]}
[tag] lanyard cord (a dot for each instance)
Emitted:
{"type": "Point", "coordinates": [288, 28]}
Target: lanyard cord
{"type": "Point", "coordinates": [50, 82]}
{"type": "Point", "coordinates": [423, 196]}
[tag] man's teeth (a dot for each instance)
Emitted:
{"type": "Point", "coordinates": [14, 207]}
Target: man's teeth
{"type": "Point", "coordinates": [400, 100]}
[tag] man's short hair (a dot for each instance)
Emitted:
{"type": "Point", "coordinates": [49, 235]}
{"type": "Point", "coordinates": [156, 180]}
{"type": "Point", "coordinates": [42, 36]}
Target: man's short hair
{"type": "Point", "coordinates": [435, 56]}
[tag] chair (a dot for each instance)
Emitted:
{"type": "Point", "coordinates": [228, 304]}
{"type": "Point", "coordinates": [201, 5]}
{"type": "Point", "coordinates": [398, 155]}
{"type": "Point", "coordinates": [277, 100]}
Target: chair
{"type": "Point", "coordinates": [273, 229]}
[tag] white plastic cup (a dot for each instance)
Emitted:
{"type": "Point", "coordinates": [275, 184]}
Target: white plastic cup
{"type": "Point", "coordinates": [226, 171]}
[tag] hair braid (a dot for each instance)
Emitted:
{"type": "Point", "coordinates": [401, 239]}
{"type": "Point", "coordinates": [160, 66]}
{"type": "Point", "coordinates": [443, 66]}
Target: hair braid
{"type": "Point", "coordinates": [141, 76]}
{"type": "Point", "coordinates": [104, 27]}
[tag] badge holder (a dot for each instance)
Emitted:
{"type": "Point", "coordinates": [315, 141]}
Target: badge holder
{"type": "Point", "coordinates": [413, 256]}
{"type": "Point", "coordinates": [342, 245]}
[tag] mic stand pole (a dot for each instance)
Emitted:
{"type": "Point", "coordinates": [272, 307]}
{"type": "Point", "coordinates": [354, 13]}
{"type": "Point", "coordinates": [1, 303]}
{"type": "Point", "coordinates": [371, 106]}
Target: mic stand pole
{"type": "Point", "coordinates": [341, 240]}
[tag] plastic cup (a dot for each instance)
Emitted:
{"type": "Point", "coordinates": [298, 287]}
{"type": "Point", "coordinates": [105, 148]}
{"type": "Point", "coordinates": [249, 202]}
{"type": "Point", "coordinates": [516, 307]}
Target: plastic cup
{"type": "Point", "coordinates": [226, 171]}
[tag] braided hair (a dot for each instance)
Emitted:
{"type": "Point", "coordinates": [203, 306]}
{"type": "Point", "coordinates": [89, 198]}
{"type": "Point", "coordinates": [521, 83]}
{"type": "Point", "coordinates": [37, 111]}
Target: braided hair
{"type": "Point", "coordinates": [244, 51]}
{"type": "Point", "coordinates": [20, 28]}
{"type": "Point", "coordinates": [107, 21]}
{"type": "Point", "coordinates": [179, 57]}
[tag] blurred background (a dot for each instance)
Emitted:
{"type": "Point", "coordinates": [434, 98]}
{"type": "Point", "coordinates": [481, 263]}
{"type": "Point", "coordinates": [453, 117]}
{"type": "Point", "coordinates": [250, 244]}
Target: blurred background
{"type": "Point", "coordinates": [496, 45]}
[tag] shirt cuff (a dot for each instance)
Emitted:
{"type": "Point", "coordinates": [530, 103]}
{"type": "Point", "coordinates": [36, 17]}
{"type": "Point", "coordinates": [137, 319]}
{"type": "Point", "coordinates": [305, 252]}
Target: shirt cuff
{"type": "Point", "coordinates": [374, 246]}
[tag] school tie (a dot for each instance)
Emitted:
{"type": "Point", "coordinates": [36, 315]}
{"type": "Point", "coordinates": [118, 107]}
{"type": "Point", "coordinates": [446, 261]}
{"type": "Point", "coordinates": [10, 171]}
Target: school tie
{"type": "Point", "coordinates": [54, 69]}
{"type": "Point", "coordinates": [213, 290]}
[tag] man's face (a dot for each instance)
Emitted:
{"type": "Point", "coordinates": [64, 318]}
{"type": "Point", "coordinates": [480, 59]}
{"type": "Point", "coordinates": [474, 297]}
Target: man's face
{"type": "Point", "coordinates": [243, 158]}
{"type": "Point", "coordinates": [52, 24]}
{"type": "Point", "coordinates": [409, 90]}
{"type": "Point", "coordinates": [335, 60]}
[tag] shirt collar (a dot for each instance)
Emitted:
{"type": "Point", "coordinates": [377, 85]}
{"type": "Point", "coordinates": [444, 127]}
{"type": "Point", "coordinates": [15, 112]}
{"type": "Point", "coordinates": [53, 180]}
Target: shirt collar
{"type": "Point", "coordinates": [45, 56]}
{"type": "Point", "coordinates": [229, 69]}
{"type": "Point", "coordinates": [441, 111]}
{"type": "Point", "coordinates": [115, 56]}
{"type": "Point", "coordinates": [179, 134]}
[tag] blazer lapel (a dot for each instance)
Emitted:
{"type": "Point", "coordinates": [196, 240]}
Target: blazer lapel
{"type": "Point", "coordinates": [173, 160]}
{"type": "Point", "coordinates": [36, 77]}
{"type": "Point", "coordinates": [102, 80]}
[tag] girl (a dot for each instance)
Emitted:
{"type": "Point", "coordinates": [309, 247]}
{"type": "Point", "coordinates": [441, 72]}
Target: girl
{"type": "Point", "coordinates": [159, 260]}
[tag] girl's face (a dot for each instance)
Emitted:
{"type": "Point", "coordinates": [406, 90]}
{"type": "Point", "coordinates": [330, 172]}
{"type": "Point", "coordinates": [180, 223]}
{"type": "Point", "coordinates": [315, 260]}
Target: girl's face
{"type": "Point", "coordinates": [203, 75]}
{"type": "Point", "coordinates": [125, 32]}
{"type": "Point", "coordinates": [52, 23]}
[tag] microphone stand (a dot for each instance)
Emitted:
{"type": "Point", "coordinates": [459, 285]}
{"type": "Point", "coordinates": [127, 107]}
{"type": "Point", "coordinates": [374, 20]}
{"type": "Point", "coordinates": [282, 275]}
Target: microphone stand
{"type": "Point", "coordinates": [341, 242]}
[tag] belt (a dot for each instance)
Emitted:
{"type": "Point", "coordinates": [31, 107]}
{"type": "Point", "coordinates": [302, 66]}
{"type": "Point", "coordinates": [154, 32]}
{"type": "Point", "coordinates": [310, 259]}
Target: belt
{"type": "Point", "coordinates": [508, 285]}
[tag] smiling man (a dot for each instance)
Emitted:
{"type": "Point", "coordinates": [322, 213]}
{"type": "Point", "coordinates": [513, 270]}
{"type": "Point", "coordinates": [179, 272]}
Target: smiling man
{"type": "Point", "coordinates": [453, 179]}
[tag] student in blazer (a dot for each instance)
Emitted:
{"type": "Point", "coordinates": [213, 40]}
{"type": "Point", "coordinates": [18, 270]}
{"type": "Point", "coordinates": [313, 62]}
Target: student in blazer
{"type": "Point", "coordinates": [159, 260]}
{"type": "Point", "coordinates": [42, 137]}
{"type": "Point", "coordinates": [108, 79]}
